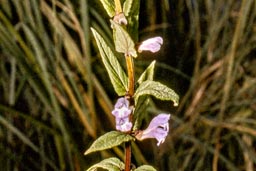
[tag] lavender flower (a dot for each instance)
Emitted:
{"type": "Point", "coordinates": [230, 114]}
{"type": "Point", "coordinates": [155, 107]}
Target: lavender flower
{"type": "Point", "coordinates": [152, 44]}
{"type": "Point", "coordinates": [123, 124]}
{"type": "Point", "coordinates": [122, 113]}
{"type": "Point", "coordinates": [158, 128]}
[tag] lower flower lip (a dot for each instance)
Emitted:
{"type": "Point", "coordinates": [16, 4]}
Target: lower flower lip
{"type": "Point", "coordinates": [158, 129]}
{"type": "Point", "coordinates": [121, 113]}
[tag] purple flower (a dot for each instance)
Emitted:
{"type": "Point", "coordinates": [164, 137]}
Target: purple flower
{"type": "Point", "coordinates": [122, 113]}
{"type": "Point", "coordinates": [158, 128]}
{"type": "Point", "coordinates": [123, 124]}
{"type": "Point", "coordinates": [121, 108]}
{"type": "Point", "coordinates": [152, 44]}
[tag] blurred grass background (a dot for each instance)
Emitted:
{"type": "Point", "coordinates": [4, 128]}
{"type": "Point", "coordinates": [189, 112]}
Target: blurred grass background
{"type": "Point", "coordinates": [55, 97]}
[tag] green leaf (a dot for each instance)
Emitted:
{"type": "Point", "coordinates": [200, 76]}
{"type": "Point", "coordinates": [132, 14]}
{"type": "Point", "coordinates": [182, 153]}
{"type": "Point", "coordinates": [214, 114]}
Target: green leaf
{"type": "Point", "coordinates": [109, 140]}
{"type": "Point", "coordinates": [148, 74]}
{"type": "Point", "coordinates": [142, 102]}
{"type": "Point", "coordinates": [127, 7]}
{"type": "Point", "coordinates": [109, 6]}
{"type": "Point", "coordinates": [111, 164]}
{"type": "Point", "coordinates": [131, 7]}
{"type": "Point", "coordinates": [123, 42]}
{"type": "Point", "coordinates": [131, 10]}
{"type": "Point", "coordinates": [145, 168]}
{"type": "Point", "coordinates": [157, 90]}
{"type": "Point", "coordinates": [140, 110]}
{"type": "Point", "coordinates": [116, 73]}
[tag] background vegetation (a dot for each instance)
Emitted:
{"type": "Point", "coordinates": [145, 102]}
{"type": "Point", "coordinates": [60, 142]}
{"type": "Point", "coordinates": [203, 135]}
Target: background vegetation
{"type": "Point", "coordinates": [55, 97]}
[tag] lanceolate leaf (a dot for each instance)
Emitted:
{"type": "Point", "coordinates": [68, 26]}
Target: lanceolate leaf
{"type": "Point", "coordinates": [145, 168]}
{"type": "Point", "coordinates": [111, 164]}
{"type": "Point", "coordinates": [140, 110]}
{"type": "Point", "coordinates": [116, 73]}
{"type": "Point", "coordinates": [148, 74]}
{"type": "Point", "coordinates": [131, 11]}
{"type": "Point", "coordinates": [109, 6]}
{"type": "Point", "coordinates": [123, 42]}
{"type": "Point", "coordinates": [109, 140]}
{"type": "Point", "coordinates": [127, 7]}
{"type": "Point", "coordinates": [142, 102]}
{"type": "Point", "coordinates": [157, 90]}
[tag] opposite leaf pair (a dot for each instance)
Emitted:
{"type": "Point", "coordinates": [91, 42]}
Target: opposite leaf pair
{"type": "Point", "coordinates": [158, 127]}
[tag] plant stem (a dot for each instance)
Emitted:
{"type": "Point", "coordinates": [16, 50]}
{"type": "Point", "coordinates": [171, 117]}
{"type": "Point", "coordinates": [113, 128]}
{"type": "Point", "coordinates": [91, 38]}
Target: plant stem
{"type": "Point", "coordinates": [118, 7]}
{"type": "Point", "coordinates": [130, 93]}
{"type": "Point", "coordinates": [130, 70]}
{"type": "Point", "coordinates": [128, 152]}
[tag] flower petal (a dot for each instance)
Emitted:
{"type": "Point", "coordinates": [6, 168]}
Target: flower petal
{"type": "Point", "coordinates": [122, 102]}
{"type": "Point", "coordinates": [160, 120]}
{"type": "Point", "coordinates": [152, 44]}
{"type": "Point", "coordinates": [121, 108]}
{"type": "Point", "coordinates": [127, 126]}
{"type": "Point", "coordinates": [158, 129]}
{"type": "Point", "coordinates": [122, 113]}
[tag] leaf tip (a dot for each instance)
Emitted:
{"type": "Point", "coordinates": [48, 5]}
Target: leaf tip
{"type": "Point", "coordinates": [86, 152]}
{"type": "Point", "coordinates": [91, 28]}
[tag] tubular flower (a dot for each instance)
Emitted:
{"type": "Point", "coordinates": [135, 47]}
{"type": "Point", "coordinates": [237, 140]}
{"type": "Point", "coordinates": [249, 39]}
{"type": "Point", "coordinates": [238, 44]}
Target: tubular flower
{"type": "Point", "coordinates": [123, 124]}
{"type": "Point", "coordinates": [152, 44]}
{"type": "Point", "coordinates": [158, 129]}
{"type": "Point", "coordinates": [122, 113]}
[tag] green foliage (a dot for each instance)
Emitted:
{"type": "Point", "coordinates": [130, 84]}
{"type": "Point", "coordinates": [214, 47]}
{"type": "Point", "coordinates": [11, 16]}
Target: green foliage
{"type": "Point", "coordinates": [109, 6]}
{"type": "Point", "coordinates": [48, 88]}
{"type": "Point", "coordinates": [128, 7]}
{"type": "Point", "coordinates": [131, 9]}
{"type": "Point", "coordinates": [148, 74]}
{"type": "Point", "coordinates": [142, 102]}
{"type": "Point", "coordinates": [116, 74]}
{"type": "Point", "coordinates": [123, 41]}
{"type": "Point", "coordinates": [157, 90]}
{"type": "Point", "coordinates": [109, 140]}
{"type": "Point", "coordinates": [125, 44]}
{"type": "Point", "coordinates": [145, 168]}
{"type": "Point", "coordinates": [111, 164]}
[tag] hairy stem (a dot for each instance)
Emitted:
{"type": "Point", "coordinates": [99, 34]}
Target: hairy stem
{"type": "Point", "coordinates": [130, 93]}
{"type": "Point", "coordinates": [128, 152]}
{"type": "Point", "coordinates": [118, 7]}
{"type": "Point", "coordinates": [130, 70]}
